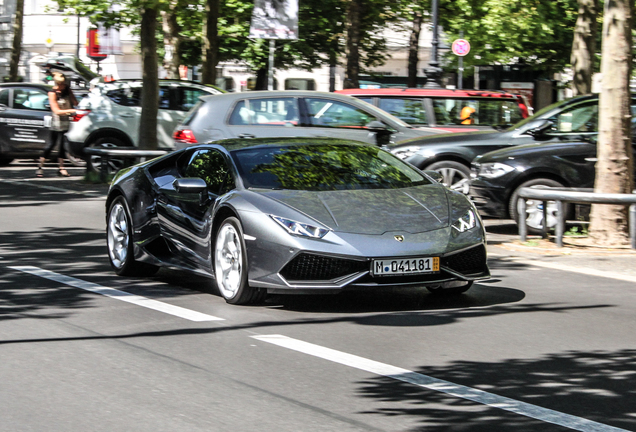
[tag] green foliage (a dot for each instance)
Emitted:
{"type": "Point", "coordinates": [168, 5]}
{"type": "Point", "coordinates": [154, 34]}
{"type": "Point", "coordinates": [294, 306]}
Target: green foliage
{"type": "Point", "coordinates": [536, 32]}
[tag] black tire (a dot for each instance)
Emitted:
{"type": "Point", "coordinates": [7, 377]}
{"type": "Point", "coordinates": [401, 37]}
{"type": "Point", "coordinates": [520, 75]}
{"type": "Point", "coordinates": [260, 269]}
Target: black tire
{"type": "Point", "coordinates": [450, 291]}
{"type": "Point", "coordinates": [455, 175]}
{"type": "Point", "coordinates": [534, 208]}
{"type": "Point", "coordinates": [5, 161]}
{"type": "Point", "coordinates": [119, 241]}
{"type": "Point", "coordinates": [95, 162]}
{"type": "Point", "coordinates": [229, 261]}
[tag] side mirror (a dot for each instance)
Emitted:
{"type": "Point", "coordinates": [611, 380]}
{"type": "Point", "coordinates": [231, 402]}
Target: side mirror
{"type": "Point", "coordinates": [376, 126]}
{"type": "Point", "coordinates": [539, 128]}
{"type": "Point", "coordinates": [438, 177]}
{"type": "Point", "coordinates": [382, 132]}
{"type": "Point", "coordinates": [190, 185]}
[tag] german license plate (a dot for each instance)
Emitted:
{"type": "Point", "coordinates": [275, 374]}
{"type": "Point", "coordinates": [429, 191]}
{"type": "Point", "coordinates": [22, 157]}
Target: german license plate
{"type": "Point", "coordinates": [405, 266]}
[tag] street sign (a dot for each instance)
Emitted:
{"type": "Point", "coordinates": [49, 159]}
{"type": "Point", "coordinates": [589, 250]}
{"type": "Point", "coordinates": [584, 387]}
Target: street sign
{"type": "Point", "coordinates": [460, 47]}
{"type": "Point", "coordinates": [49, 42]}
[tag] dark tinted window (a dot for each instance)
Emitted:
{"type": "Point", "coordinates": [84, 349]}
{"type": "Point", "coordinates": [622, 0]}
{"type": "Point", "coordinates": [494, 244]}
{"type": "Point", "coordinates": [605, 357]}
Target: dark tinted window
{"type": "Point", "coordinates": [125, 96]}
{"type": "Point", "coordinates": [4, 97]}
{"type": "Point", "coordinates": [164, 98]}
{"type": "Point", "coordinates": [210, 165]}
{"type": "Point", "coordinates": [324, 167]}
{"type": "Point", "coordinates": [188, 97]}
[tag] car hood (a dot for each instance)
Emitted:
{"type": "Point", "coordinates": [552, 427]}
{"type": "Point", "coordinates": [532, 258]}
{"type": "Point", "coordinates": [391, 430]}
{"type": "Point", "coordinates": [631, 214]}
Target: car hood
{"type": "Point", "coordinates": [371, 211]}
{"type": "Point", "coordinates": [446, 138]}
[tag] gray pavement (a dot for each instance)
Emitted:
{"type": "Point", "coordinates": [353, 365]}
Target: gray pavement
{"type": "Point", "coordinates": [503, 238]}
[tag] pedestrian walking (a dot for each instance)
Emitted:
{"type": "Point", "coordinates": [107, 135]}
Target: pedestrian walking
{"type": "Point", "coordinates": [62, 101]}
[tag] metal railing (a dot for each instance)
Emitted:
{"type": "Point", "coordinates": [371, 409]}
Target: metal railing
{"type": "Point", "coordinates": [571, 195]}
{"type": "Point", "coordinates": [106, 154]}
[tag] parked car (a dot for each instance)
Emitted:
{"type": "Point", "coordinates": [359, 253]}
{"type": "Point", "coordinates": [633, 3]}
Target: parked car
{"type": "Point", "coordinates": [451, 154]}
{"type": "Point", "coordinates": [25, 114]}
{"type": "Point", "coordinates": [446, 109]}
{"type": "Point", "coordinates": [109, 115]}
{"type": "Point", "coordinates": [498, 176]}
{"type": "Point", "coordinates": [291, 114]}
{"type": "Point", "coordinates": [274, 215]}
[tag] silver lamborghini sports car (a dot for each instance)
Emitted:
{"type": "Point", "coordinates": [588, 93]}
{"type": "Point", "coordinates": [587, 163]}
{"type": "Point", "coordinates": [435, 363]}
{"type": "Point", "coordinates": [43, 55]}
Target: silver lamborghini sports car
{"type": "Point", "coordinates": [294, 215]}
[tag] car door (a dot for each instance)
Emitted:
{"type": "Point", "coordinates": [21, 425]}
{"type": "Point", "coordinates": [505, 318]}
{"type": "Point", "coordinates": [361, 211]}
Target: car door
{"type": "Point", "coordinates": [266, 117]}
{"type": "Point", "coordinates": [184, 217]}
{"type": "Point", "coordinates": [24, 118]}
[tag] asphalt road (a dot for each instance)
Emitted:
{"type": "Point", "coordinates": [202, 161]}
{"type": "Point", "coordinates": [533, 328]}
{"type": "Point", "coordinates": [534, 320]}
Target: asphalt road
{"type": "Point", "coordinates": [533, 349]}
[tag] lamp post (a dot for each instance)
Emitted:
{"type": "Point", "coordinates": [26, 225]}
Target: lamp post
{"type": "Point", "coordinates": [433, 71]}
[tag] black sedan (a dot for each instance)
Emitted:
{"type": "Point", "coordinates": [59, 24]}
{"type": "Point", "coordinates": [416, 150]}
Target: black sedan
{"type": "Point", "coordinates": [293, 215]}
{"type": "Point", "coordinates": [498, 176]}
{"type": "Point", "coordinates": [451, 154]}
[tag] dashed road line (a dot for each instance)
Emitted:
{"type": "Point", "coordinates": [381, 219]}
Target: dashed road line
{"type": "Point", "coordinates": [447, 387]}
{"type": "Point", "coordinates": [118, 295]}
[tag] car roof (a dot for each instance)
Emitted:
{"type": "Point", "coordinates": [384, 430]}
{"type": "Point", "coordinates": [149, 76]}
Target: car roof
{"type": "Point", "coordinates": [279, 93]}
{"type": "Point", "coordinates": [243, 143]}
{"type": "Point", "coordinates": [137, 82]}
{"type": "Point", "coordinates": [427, 92]}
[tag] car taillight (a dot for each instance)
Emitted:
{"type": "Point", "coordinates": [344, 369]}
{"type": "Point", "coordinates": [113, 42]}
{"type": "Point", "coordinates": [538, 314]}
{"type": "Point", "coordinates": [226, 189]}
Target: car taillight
{"type": "Point", "coordinates": [184, 136]}
{"type": "Point", "coordinates": [79, 114]}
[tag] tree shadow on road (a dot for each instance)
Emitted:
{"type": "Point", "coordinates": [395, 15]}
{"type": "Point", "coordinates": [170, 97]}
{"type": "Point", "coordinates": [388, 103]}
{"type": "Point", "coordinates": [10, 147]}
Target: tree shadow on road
{"type": "Point", "coordinates": [597, 386]}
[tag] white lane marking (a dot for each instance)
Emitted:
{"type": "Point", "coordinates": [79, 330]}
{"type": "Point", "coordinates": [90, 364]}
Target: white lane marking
{"type": "Point", "coordinates": [447, 387]}
{"type": "Point", "coordinates": [118, 295]}
{"type": "Point", "coordinates": [584, 270]}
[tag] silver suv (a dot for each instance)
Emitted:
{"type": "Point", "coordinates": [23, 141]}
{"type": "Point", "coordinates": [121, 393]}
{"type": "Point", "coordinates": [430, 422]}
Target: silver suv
{"type": "Point", "coordinates": [109, 115]}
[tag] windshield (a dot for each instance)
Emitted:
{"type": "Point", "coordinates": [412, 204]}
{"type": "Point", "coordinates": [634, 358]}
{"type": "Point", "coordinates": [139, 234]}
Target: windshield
{"type": "Point", "coordinates": [324, 167]}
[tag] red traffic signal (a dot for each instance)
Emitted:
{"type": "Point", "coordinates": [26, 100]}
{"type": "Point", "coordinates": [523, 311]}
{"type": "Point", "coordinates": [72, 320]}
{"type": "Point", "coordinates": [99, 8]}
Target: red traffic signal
{"type": "Point", "coordinates": [92, 45]}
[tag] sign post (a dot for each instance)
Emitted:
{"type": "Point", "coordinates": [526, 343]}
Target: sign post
{"type": "Point", "coordinates": [460, 48]}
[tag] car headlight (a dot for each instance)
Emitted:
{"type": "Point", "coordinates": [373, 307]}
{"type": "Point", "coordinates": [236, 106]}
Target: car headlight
{"type": "Point", "coordinates": [405, 152]}
{"type": "Point", "coordinates": [300, 229]}
{"type": "Point", "coordinates": [494, 170]}
{"type": "Point", "coordinates": [466, 222]}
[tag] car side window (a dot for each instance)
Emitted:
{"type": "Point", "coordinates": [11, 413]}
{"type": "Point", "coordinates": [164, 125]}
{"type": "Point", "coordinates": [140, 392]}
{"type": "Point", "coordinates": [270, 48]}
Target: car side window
{"type": "Point", "coordinates": [580, 118]}
{"type": "Point", "coordinates": [125, 96]}
{"type": "Point", "coordinates": [266, 112]}
{"type": "Point", "coordinates": [188, 97]}
{"type": "Point", "coordinates": [30, 99]}
{"type": "Point", "coordinates": [411, 111]}
{"type": "Point", "coordinates": [164, 98]}
{"type": "Point", "coordinates": [333, 113]}
{"type": "Point", "coordinates": [211, 166]}
{"type": "Point", "coordinates": [4, 97]}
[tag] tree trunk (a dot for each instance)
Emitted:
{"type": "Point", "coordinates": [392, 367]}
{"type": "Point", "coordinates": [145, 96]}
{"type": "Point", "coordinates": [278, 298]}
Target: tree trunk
{"type": "Point", "coordinates": [414, 49]}
{"type": "Point", "coordinates": [261, 79]}
{"type": "Point", "coordinates": [353, 42]}
{"type": "Point", "coordinates": [150, 74]}
{"type": "Point", "coordinates": [172, 41]}
{"type": "Point", "coordinates": [210, 55]}
{"type": "Point", "coordinates": [584, 47]}
{"type": "Point", "coordinates": [17, 41]}
{"type": "Point", "coordinates": [614, 172]}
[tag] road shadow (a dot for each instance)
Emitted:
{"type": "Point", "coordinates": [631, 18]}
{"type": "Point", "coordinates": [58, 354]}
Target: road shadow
{"type": "Point", "coordinates": [595, 385]}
